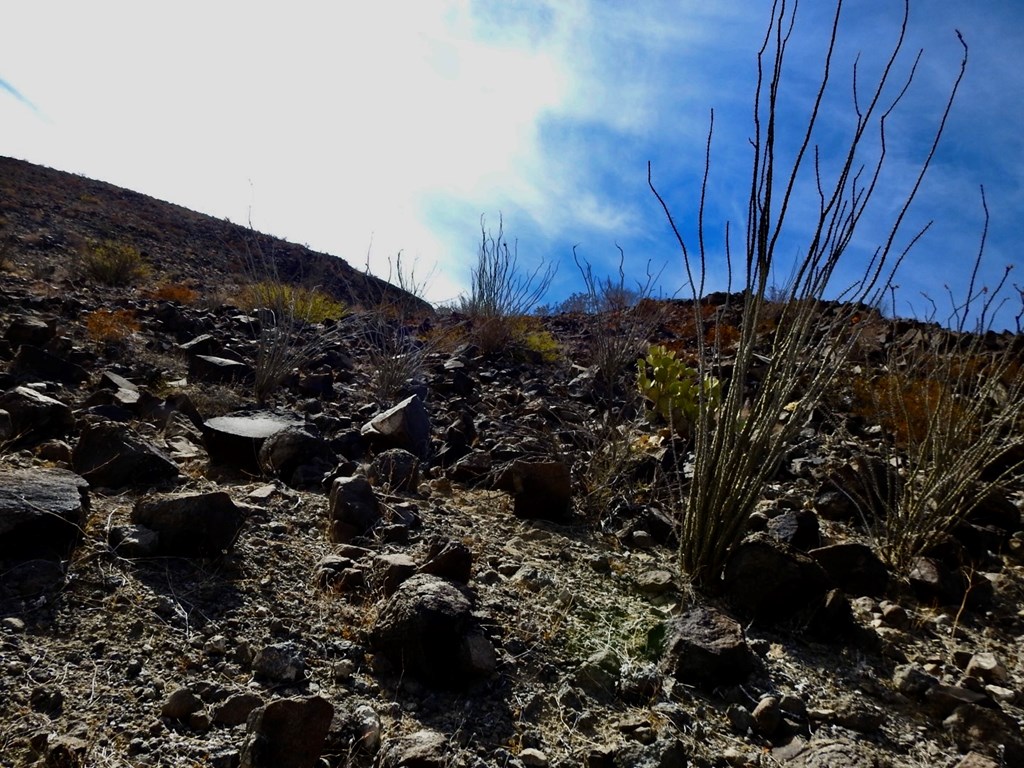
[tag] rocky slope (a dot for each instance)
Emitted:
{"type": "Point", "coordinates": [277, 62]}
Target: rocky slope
{"type": "Point", "coordinates": [463, 565]}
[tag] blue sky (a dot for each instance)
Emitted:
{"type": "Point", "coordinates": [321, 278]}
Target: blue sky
{"type": "Point", "coordinates": [363, 128]}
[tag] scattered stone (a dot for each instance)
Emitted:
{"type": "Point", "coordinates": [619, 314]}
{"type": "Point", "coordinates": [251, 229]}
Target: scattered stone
{"type": "Point", "coordinates": [986, 667]}
{"type": "Point", "coordinates": [28, 578]}
{"type": "Point", "coordinates": [236, 709]}
{"type": "Point", "coordinates": [942, 700]}
{"type": "Point", "coordinates": [854, 568]}
{"type": "Point", "coordinates": [390, 570]}
{"type": "Point", "coordinates": [796, 527]}
{"type": "Point", "coordinates": [286, 451]}
{"type": "Point", "coordinates": [770, 582]}
{"type": "Point", "coordinates": [134, 541]}
{"type": "Point", "coordinates": [450, 560]}
{"type": "Point", "coordinates": [180, 704]}
{"type": "Point", "coordinates": [32, 360]}
{"type": "Point", "coordinates": [219, 369]}
{"type": "Point", "coordinates": [280, 662]}
{"type": "Point", "coordinates": [767, 716]}
{"type": "Point", "coordinates": [472, 467]}
{"type": "Point", "coordinates": [287, 733]}
{"type": "Point", "coordinates": [656, 582]}
{"type": "Point", "coordinates": [911, 680]}
{"type": "Point", "coordinates": [33, 414]}
{"type": "Point", "coordinates": [26, 329]}
{"type": "Point", "coordinates": [858, 715]}
{"type": "Point", "coordinates": [988, 731]}
{"type": "Point", "coordinates": [422, 749]}
{"type": "Point", "coordinates": [191, 525]}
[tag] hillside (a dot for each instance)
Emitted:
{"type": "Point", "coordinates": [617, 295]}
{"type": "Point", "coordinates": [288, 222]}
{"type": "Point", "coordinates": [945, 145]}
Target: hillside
{"type": "Point", "coordinates": [418, 547]}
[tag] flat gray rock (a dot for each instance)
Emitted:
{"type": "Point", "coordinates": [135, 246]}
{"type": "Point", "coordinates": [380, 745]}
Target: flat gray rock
{"type": "Point", "coordinates": [41, 510]}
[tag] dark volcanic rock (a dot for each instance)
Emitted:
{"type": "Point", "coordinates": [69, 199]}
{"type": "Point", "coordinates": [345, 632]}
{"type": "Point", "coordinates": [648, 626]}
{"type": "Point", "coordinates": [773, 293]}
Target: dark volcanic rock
{"type": "Point", "coordinates": [33, 413]}
{"type": "Point", "coordinates": [706, 648]}
{"type": "Point", "coordinates": [426, 629]}
{"type": "Point", "coordinates": [201, 525]}
{"type": "Point", "coordinates": [218, 369]}
{"type": "Point", "coordinates": [539, 489]}
{"type": "Point", "coordinates": [113, 456]}
{"type": "Point", "coordinates": [35, 361]}
{"type": "Point", "coordinates": [796, 527]}
{"type": "Point", "coordinates": [42, 511]}
{"type": "Point", "coordinates": [25, 329]}
{"type": "Point", "coordinates": [396, 468]}
{"type": "Point", "coordinates": [769, 581]}
{"type": "Point", "coordinates": [353, 508]}
{"type": "Point", "coordinates": [854, 568]}
{"type": "Point", "coordinates": [287, 733]}
{"type": "Point", "coordinates": [284, 452]}
{"type": "Point", "coordinates": [236, 440]}
{"type": "Point", "coordinates": [406, 425]}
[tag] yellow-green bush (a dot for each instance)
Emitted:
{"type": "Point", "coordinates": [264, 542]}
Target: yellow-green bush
{"type": "Point", "coordinates": [310, 305]}
{"type": "Point", "coordinates": [112, 263]}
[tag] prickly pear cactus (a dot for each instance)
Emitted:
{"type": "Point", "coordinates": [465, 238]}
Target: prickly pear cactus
{"type": "Point", "coordinates": [673, 389]}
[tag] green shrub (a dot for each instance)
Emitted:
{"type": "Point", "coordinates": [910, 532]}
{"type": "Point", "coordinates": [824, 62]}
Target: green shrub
{"type": "Point", "coordinates": [674, 389]}
{"type": "Point", "coordinates": [112, 263]}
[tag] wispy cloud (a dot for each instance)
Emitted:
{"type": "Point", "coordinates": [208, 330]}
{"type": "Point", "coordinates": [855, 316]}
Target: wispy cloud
{"type": "Point", "coordinates": [11, 90]}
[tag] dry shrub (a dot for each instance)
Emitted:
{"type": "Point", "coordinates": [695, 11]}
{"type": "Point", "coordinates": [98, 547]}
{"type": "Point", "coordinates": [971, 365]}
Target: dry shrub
{"type": "Point", "coordinates": [111, 326]}
{"type": "Point", "coordinates": [182, 294]}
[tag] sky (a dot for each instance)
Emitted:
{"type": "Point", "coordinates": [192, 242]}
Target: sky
{"type": "Point", "coordinates": [368, 129]}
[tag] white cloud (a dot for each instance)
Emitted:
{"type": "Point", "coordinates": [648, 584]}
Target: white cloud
{"type": "Point", "coordinates": [402, 122]}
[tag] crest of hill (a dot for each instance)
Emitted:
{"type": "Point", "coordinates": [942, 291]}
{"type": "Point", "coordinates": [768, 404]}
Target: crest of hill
{"type": "Point", "coordinates": [46, 215]}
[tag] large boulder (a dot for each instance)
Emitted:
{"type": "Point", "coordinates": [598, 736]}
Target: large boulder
{"type": "Point", "coordinates": [114, 456]}
{"type": "Point", "coordinates": [426, 628]}
{"type": "Point", "coordinates": [236, 440]}
{"type": "Point", "coordinates": [42, 511]}
{"type": "Point", "coordinates": [287, 733]}
{"type": "Point", "coordinates": [707, 649]}
{"type": "Point", "coordinates": [189, 525]}
{"type": "Point", "coordinates": [406, 425]}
